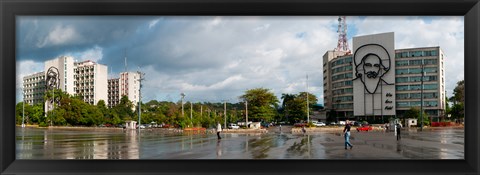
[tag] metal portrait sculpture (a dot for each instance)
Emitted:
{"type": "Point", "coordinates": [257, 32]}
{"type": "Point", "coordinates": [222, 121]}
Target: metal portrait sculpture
{"type": "Point", "coordinates": [372, 62]}
{"type": "Point", "coordinates": [52, 80]}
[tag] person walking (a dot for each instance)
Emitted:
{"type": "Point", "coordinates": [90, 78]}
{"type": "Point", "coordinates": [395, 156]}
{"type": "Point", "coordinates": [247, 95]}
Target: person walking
{"type": "Point", "coordinates": [346, 133]}
{"type": "Point", "coordinates": [398, 131]}
{"type": "Point", "coordinates": [219, 129]}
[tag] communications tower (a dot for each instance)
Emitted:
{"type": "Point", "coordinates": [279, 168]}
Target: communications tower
{"type": "Point", "coordinates": [342, 44]}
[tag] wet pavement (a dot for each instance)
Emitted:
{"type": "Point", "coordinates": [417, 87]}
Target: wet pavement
{"type": "Point", "coordinates": [55, 143]}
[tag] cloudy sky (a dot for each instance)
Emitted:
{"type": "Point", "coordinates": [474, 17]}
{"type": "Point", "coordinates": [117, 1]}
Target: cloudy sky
{"type": "Point", "coordinates": [215, 58]}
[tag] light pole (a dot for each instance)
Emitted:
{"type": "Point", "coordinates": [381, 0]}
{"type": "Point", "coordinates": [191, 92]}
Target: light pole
{"type": "Point", "coordinates": [421, 96]}
{"type": "Point", "coordinates": [183, 96]}
{"type": "Point", "coordinates": [191, 119]}
{"type": "Point", "coordinates": [140, 98]}
{"type": "Point", "coordinates": [246, 113]}
{"type": "Point", "coordinates": [53, 106]}
{"type": "Point", "coordinates": [308, 110]}
{"type": "Point", "coordinates": [225, 113]}
{"type": "Point", "coordinates": [23, 110]}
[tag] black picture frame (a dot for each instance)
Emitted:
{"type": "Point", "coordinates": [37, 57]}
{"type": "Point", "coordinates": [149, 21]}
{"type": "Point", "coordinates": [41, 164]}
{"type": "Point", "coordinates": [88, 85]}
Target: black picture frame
{"type": "Point", "coordinates": [470, 9]}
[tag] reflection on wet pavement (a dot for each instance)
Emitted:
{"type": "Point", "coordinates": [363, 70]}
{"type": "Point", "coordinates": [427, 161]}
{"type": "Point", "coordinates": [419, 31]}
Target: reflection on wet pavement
{"type": "Point", "coordinates": [36, 143]}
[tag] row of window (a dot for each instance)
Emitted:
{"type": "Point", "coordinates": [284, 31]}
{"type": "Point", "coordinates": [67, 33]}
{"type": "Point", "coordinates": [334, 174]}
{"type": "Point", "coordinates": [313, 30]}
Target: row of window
{"type": "Point", "coordinates": [417, 104]}
{"type": "Point", "coordinates": [342, 61]}
{"type": "Point", "coordinates": [415, 79]}
{"type": "Point", "coordinates": [35, 95]}
{"type": "Point", "coordinates": [343, 91]}
{"type": "Point", "coordinates": [416, 70]}
{"type": "Point", "coordinates": [342, 84]}
{"type": "Point", "coordinates": [342, 69]}
{"type": "Point", "coordinates": [343, 106]}
{"type": "Point", "coordinates": [342, 76]}
{"type": "Point", "coordinates": [416, 62]}
{"type": "Point", "coordinates": [417, 95]}
{"type": "Point", "coordinates": [34, 79]}
{"type": "Point", "coordinates": [416, 87]}
{"type": "Point", "coordinates": [409, 54]}
{"type": "Point", "coordinates": [342, 99]}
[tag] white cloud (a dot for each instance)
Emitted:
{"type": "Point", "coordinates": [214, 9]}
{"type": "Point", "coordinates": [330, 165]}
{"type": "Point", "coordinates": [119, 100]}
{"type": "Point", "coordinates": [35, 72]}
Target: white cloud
{"type": "Point", "coordinates": [215, 58]}
{"type": "Point", "coordinates": [60, 35]}
{"type": "Point", "coordinates": [94, 54]}
{"type": "Point", "coordinates": [153, 23]}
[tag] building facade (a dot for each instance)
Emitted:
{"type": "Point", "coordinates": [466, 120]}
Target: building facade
{"type": "Point", "coordinates": [130, 86]}
{"type": "Point", "coordinates": [408, 80]}
{"type": "Point", "coordinates": [113, 92]}
{"type": "Point", "coordinates": [341, 87]}
{"type": "Point", "coordinates": [339, 73]}
{"type": "Point", "coordinates": [91, 81]}
{"type": "Point", "coordinates": [34, 88]}
{"type": "Point", "coordinates": [328, 58]}
{"type": "Point", "coordinates": [65, 66]}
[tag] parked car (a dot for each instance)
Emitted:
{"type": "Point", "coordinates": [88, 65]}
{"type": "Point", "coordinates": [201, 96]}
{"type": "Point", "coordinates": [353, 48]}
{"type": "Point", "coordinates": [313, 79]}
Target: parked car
{"type": "Point", "coordinates": [317, 123]}
{"type": "Point", "coordinates": [233, 126]}
{"type": "Point", "coordinates": [365, 128]}
{"type": "Point", "coordinates": [300, 124]}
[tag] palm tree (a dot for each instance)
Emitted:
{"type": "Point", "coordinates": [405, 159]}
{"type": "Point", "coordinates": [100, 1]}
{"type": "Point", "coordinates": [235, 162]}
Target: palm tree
{"type": "Point", "coordinates": [287, 98]}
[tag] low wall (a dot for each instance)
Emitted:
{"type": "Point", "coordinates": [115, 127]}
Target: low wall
{"type": "Point", "coordinates": [244, 131]}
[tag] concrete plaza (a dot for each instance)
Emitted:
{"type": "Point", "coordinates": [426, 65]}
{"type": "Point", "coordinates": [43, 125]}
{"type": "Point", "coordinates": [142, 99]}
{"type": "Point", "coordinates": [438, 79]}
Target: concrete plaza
{"type": "Point", "coordinates": [36, 143]}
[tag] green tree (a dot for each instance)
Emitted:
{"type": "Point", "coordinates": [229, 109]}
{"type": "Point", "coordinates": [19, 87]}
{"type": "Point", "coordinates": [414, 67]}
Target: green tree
{"type": "Point", "coordinates": [459, 92]}
{"type": "Point", "coordinates": [37, 114]}
{"type": "Point", "coordinates": [124, 109]}
{"type": "Point", "coordinates": [414, 112]}
{"type": "Point", "coordinates": [457, 111]}
{"type": "Point", "coordinates": [287, 101]}
{"type": "Point", "coordinates": [262, 104]}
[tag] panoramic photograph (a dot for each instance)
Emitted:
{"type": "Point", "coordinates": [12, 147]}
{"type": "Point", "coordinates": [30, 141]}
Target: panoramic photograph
{"type": "Point", "coordinates": [240, 87]}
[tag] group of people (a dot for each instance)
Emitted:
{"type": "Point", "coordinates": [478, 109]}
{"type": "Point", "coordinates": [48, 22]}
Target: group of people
{"type": "Point", "coordinates": [346, 133]}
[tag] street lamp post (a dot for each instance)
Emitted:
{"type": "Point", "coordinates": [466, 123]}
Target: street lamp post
{"type": "Point", "coordinates": [183, 96]}
{"type": "Point", "coordinates": [308, 106]}
{"type": "Point", "coordinates": [225, 114]}
{"type": "Point", "coordinates": [140, 98]}
{"type": "Point", "coordinates": [23, 110]}
{"type": "Point", "coordinates": [246, 113]}
{"type": "Point", "coordinates": [421, 97]}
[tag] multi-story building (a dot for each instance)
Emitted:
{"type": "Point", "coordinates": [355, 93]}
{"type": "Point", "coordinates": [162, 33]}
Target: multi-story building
{"type": "Point", "coordinates": [408, 80]}
{"type": "Point", "coordinates": [338, 86]}
{"type": "Point", "coordinates": [62, 65]}
{"type": "Point", "coordinates": [340, 89]}
{"type": "Point", "coordinates": [65, 67]}
{"type": "Point", "coordinates": [130, 86]}
{"type": "Point", "coordinates": [113, 92]}
{"type": "Point", "coordinates": [327, 76]}
{"type": "Point", "coordinates": [86, 79]}
{"type": "Point", "coordinates": [91, 81]}
{"type": "Point", "coordinates": [34, 88]}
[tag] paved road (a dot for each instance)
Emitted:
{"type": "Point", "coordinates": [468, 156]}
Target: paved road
{"type": "Point", "coordinates": [34, 143]}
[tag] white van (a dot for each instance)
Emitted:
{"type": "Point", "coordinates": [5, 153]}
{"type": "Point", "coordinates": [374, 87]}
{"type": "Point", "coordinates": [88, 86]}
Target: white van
{"type": "Point", "coordinates": [233, 126]}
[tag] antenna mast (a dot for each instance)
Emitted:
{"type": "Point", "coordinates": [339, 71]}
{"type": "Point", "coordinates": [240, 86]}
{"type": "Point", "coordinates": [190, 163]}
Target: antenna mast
{"type": "Point", "coordinates": [342, 44]}
{"type": "Point", "coordinates": [125, 60]}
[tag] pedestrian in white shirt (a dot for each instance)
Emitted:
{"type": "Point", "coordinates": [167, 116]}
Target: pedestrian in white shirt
{"type": "Point", "coordinates": [219, 129]}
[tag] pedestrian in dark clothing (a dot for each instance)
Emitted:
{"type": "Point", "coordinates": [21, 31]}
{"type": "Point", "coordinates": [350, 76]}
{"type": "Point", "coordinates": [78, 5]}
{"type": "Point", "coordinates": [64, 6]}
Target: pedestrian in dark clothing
{"type": "Point", "coordinates": [346, 132]}
{"type": "Point", "coordinates": [398, 131]}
